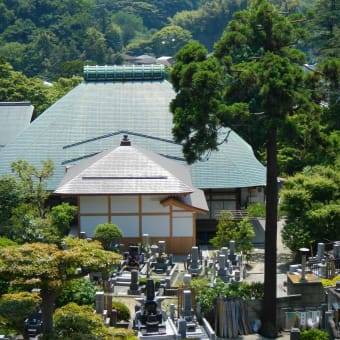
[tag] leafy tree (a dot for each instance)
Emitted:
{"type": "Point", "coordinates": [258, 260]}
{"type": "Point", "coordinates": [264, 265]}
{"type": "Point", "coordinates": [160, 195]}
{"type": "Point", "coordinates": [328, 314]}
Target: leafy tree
{"type": "Point", "coordinates": [80, 291]}
{"type": "Point", "coordinates": [71, 69]}
{"type": "Point", "coordinates": [13, 51]}
{"type": "Point", "coordinates": [50, 268]}
{"type": "Point", "coordinates": [26, 218]}
{"type": "Point", "coordinates": [61, 217]}
{"type": "Point", "coordinates": [95, 46]}
{"type": "Point", "coordinates": [228, 229]}
{"type": "Point", "coordinates": [330, 89]}
{"type": "Point", "coordinates": [108, 234]}
{"type": "Point", "coordinates": [33, 182]}
{"type": "Point", "coordinates": [325, 27]}
{"type": "Point", "coordinates": [78, 322]}
{"type": "Point", "coordinates": [254, 79]}
{"type": "Point", "coordinates": [10, 197]}
{"type": "Point", "coordinates": [6, 242]}
{"type": "Point", "coordinates": [130, 25]}
{"type": "Point", "coordinates": [4, 284]}
{"type": "Point", "coordinates": [64, 85]}
{"type": "Point", "coordinates": [14, 86]}
{"type": "Point", "coordinates": [311, 202]}
{"type": "Point", "coordinates": [207, 22]}
{"type": "Point", "coordinates": [114, 37]}
{"type": "Point", "coordinates": [169, 40]}
{"type": "Point", "coordinates": [15, 308]}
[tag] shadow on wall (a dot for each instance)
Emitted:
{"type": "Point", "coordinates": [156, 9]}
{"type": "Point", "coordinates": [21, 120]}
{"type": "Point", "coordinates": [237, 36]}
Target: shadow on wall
{"type": "Point", "coordinates": [258, 225]}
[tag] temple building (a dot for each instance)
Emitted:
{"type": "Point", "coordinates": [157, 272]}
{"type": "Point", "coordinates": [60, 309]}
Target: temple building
{"type": "Point", "coordinates": [133, 100]}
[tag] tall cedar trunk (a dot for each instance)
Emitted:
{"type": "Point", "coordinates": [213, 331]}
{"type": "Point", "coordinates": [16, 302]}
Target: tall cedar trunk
{"type": "Point", "coordinates": [48, 297]}
{"type": "Point", "coordinates": [269, 328]}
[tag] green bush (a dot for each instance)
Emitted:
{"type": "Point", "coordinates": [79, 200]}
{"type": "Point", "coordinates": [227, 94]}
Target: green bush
{"type": "Point", "coordinates": [123, 334]}
{"type": "Point", "coordinates": [251, 291]}
{"type": "Point", "coordinates": [330, 282]}
{"type": "Point", "coordinates": [314, 334]}
{"type": "Point", "coordinates": [123, 311]}
{"type": "Point", "coordinates": [257, 210]}
{"type": "Point", "coordinates": [78, 322]}
{"type": "Point", "coordinates": [108, 234]}
{"type": "Point", "coordinates": [81, 291]}
{"type": "Point", "coordinates": [234, 289]}
{"type": "Point", "coordinates": [6, 242]}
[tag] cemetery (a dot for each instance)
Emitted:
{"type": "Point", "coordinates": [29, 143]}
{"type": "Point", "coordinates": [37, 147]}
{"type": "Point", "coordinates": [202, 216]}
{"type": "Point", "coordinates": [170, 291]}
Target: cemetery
{"type": "Point", "coordinates": [307, 304]}
{"type": "Point", "coordinates": [158, 289]}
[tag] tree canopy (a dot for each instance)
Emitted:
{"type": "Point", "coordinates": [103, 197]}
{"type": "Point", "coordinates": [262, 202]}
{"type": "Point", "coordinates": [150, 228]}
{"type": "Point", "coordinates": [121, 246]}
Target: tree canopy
{"type": "Point", "coordinates": [53, 40]}
{"type": "Point", "coordinates": [48, 268]}
{"type": "Point", "coordinates": [311, 201]}
{"type": "Point", "coordinates": [242, 232]}
{"type": "Point", "coordinates": [15, 308]}
{"type": "Point", "coordinates": [252, 83]}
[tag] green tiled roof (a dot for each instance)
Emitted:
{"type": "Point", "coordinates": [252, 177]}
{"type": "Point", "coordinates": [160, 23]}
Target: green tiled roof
{"type": "Point", "coordinates": [124, 72]}
{"type": "Point", "coordinates": [14, 118]}
{"type": "Point", "coordinates": [94, 116]}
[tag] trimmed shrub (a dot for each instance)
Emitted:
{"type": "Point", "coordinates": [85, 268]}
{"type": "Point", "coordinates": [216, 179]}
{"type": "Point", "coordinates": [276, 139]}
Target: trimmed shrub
{"type": "Point", "coordinates": [123, 311]}
{"type": "Point", "coordinates": [108, 234]}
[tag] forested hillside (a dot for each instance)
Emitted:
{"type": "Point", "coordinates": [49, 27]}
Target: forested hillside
{"type": "Point", "coordinates": [54, 38]}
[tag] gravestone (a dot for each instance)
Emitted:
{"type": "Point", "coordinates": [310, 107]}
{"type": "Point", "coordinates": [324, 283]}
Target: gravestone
{"type": "Point", "coordinates": [321, 251]}
{"type": "Point", "coordinates": [99, 302]}
{"type": "Point", "coordinates": [134, 287]}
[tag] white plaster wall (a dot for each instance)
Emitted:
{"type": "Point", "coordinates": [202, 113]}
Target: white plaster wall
{"type": "Point", "coordinates": [89, 223]}
{"type": "Point", "coordinates": [93, 204]}
{"type": "Point", "coordinates": [182, 224]}
{"type": "Point", "coordinates": [124, 204]}
{"type": "Point", "coordinates": [151, 204]}
{"type": "Point", "coordinates": [127, 224]}
{"type": "Point", "coordinates": [156, 226]}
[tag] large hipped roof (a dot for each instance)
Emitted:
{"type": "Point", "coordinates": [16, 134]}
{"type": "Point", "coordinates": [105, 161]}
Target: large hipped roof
{"type": "Point", "coordinates": [95, 115]}
{"type": "Point", "coordinates": [14, 118]}
{"type": "Point", "coordinates": [129, 170]}
{"type": "Point", "coordinates": [124, 170]}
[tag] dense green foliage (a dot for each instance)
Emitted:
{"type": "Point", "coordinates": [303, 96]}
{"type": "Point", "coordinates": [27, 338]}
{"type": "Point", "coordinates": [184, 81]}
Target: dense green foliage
{"type": "Point", "coordinates": [123, 311]}
{"type": "Point", "coordinates": [311, 200]}
{"type": "Point", "coordinates": [78, 322]}
{"type": "Point", "coordinates": [24, 214]}
{"type": "Point", "coordinates": [15, 86]}
{"type": "Point", "coordinates": [15, 308]}
{"type": "Point", "coordinates": [314, 334]}
{"type": "Point", "coordinates": [207, 295]}
{"type": "Point", "coordinates": [49, 268]}
{"type": "Point", "coordinates": [253, 82]}
{"type": "Point", "coordinates": [53, 39]}
{"type": "Point", "coordinates": [242, 232]}
{"type": "Point", "coordinates": [108, 234]}
{"type": "Point", "coordinates": [82, 291]}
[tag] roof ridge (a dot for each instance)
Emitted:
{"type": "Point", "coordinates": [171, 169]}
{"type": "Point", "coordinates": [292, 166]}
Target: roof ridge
{"type": "Point", "coordinates": [124, 72]}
